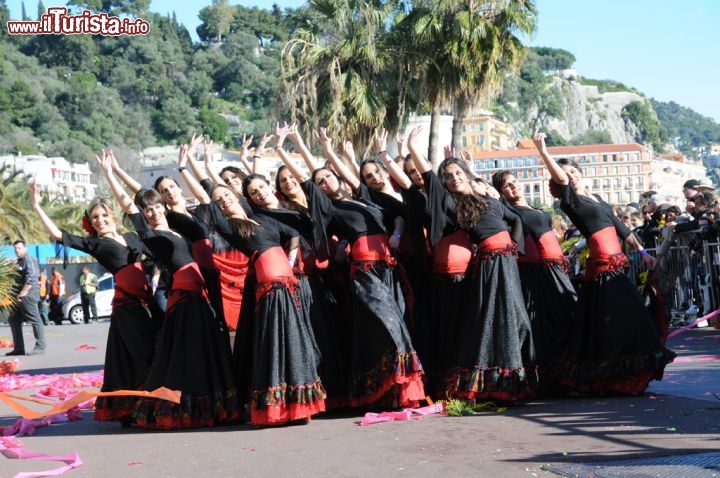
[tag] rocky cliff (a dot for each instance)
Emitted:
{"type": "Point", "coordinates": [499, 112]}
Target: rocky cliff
{"type": "Point", "coordinates": [585, 108]}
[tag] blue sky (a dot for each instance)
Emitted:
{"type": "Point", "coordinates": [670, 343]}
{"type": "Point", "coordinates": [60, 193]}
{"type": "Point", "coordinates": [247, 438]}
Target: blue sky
{"type": "Point", "coordinates": [660, 47]}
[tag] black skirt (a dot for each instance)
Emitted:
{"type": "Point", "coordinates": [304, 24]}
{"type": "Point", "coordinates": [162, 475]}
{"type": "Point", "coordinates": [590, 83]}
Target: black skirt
{"type": "Point", "coordinates": [551, 301]}
{"type": "Point", "coordinates": [614, 346]}
{"type": "Point", "coordinates": [192, 356]}
{"type": "Point", "coordinates": [128, 356]}
{"type": "Point", "coordinates": [495, 350]}
{"type": "Point", "coordinates": [383, 357]}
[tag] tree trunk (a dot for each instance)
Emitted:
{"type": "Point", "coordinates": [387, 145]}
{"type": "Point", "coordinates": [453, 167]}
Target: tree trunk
{"type": "Point", "coordinates": [433, 146]}
{"type": "Point", "coordinates": [460, 109]}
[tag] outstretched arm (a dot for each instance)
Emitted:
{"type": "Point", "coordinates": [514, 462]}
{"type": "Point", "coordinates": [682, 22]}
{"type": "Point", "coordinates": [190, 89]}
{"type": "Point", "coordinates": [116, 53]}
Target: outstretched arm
{"type": "Point", "coordinates": [421, 164]}
{"type": "Point", "coordinates": [556, 172]}
{"type": "Point", "coordinates": [260, 151]}
{"type": "Point", "coordinates": [106, 166]}
{"type": "Point", "coordinates": [132, 184]}
{"type": "Point", "coordinates": [185, 159]}
{"type": "Point", "coordinates": [191, 151]}
{"type": "Point", "coordinates": [280, 134]}
{"type": "Point", "coordinates": [297, 141]}
{"type": "Point", "coordinates": [396, 172]}
{"type": "Point", "coordinates": [35, 195]}
{"type": "Point", "coordinates": [349, 154]}
{"type": "Point", "coordinates": [342, 169]}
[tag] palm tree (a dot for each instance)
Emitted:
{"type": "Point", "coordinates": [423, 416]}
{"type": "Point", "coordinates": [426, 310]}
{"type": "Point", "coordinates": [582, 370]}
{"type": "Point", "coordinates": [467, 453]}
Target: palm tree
{"type": "Point", "coordinates": [340, 73]}
{"type": "Point", "coordinates": [462, 50]}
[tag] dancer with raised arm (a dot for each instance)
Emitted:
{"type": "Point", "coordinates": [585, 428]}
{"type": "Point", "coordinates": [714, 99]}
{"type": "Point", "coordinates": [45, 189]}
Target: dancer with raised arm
{"type": "Point", "coordinates": [613, 345]}
{"type": "Point", "coordinates": [136, 318]}
{"type": "Point", "coordinates": [193, 353]}
{"type": "Point", "coordinates": [384, 370]}
{"type": "Point", "coordinates": [492, 339]}
{"type": "Point", "coordinates": [549, 295]}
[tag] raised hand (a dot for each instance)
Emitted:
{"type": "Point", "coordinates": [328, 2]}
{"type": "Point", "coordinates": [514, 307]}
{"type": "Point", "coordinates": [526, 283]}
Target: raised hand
{"type": "Point", "coordinates": [183, 155]}
{"type": "Point", "coordinates": [281, 132]}
{"type": "Point", "coordinates": [539, 141]}
{"type": "Point", "coordinates": [449, 152]}
{"type": "Point", "coordinates": [413, 136]}
{"type": "Point", "coordinates": [106, 161]}
{"type": "Point", "coordinates": [325, 140]}
{"type": "Point", "coordinates": [246, 142]}
{"type": "Point", "coordinates": [380, 140]}
{"type": "Point", "coordinates": [260, 150]}
{"type": "Point", "coordinates": [348, 151]}
{"type": "Point", "coordinates": [195, 143]}
{"type": "Point", "coordinates": [35, 193]}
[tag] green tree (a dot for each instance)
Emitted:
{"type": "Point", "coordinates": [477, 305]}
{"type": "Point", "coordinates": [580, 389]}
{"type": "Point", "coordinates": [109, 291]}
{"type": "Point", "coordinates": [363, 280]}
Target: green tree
{"type": "Point", "coordinates": [339, 76]}
{"type": "Point", "coordinates": [463, 49]}
{"type": "Point", "coordinates": [651, 131]}
{"type": "Point", "coordinates": [215, 126]}
{"type": "Point", "coordinates": [216, 21]}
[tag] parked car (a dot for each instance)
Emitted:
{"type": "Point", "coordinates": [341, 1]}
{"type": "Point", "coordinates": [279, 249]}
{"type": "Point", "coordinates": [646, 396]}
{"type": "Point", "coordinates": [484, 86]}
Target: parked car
{"type": "Point", "coordinates": [72, 307]}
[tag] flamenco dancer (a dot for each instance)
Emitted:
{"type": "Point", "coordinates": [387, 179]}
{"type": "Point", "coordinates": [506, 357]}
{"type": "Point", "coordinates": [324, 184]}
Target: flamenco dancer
{"type": "Point", "coordinates": [614, 346]}
{"type": "Point", "coordinates": [136, 318]}
{"type": "Point", "coordinates": [549, 295]}
{"type": "Point", "coordinates": [192, 353]}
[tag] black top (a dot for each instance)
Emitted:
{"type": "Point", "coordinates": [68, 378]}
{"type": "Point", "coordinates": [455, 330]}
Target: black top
{"type": "Point", "coordinates": [270, 233]}
{"type": "Point", "coordinates": [496, 219]}
{"type": "Point", "coordinates": [589, 215]}
{"type": "Point", "coordinates": [109, 253]}
{"type": "Point", "coordinates": [190, 226]}
{"type": "Point", "coordinates": [390, 206]}
{"type": "Point", "coordinates": [535, 222]}
{"type": "Point", "coordinates": [168, 248]}
{"type": "Point", "coordinates": [28, 272]}
{"type": "Point", "coordinates": [348, 219]}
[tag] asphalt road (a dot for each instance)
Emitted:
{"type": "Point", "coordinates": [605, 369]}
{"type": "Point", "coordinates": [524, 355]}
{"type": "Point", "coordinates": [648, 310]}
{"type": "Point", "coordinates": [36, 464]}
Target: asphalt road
{"type": "Point", "coordinates": [677, 416]}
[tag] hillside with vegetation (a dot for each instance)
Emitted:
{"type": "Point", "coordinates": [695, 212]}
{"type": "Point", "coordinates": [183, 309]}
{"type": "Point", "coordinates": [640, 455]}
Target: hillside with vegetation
{"type": "Point", "coordinates": [349, 65]}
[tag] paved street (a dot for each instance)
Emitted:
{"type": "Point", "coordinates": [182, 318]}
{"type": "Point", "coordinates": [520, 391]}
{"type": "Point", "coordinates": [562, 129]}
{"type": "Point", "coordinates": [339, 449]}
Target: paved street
{"type": "Point", "coordinates": [677, 416]}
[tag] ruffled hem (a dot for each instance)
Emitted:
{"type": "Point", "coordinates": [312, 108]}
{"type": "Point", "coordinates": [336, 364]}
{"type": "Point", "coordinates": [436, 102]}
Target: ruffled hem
{"type": "Point", "coordinates": [275, 415]}
{"type": "Point", "coordinates": [404, 370]}
{"type": "Point", "coordinates": [281, 404]}
{"type": "Point", "coordinates": [493, 382]}
{"type": "Point", "coordinates": [220, 407]}
{"type": "Point", "coordinates": [114, 409]}
{"type": "Point", "coordinates": [625, 375]}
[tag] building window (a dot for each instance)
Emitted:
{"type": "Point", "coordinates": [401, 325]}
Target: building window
{"type": "Point", "coordinates": [605, 158]}
{"type": "Point", "coordinates": [606, 184]}
{"type": "Point", "coordinates": [477, 165]}
{"type": "Point", "coordinates": [472, 126]}
{"type": "Point", "coordinates": [596, 184]}
{"type": "Point", "coordinates": [464, 141]}
{"type": "Point", "coordinates": [536, 188]}
{"type": "Point", "coordinates": [527, 189]}
{"type": "Point", "coordinates": [464, 127]}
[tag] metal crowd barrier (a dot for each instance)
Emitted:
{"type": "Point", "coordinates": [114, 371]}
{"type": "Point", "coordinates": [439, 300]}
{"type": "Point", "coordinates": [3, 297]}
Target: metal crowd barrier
{"type": "Point", "coordinates": [689, 280]}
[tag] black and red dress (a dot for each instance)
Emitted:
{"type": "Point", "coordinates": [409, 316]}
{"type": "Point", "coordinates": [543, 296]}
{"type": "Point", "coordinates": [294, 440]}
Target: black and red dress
{"type": "Point", "coordinates": [193, 352]}
{"type": "Point", "coordinates": [275, 352]}
{"type": "Point", "coordinates": [549, 295]}
{"type": "Point", "coordinates": [614, 346]}
{"type": "Point", "coordinates": [382, 359]}
{"type": "Point", "coordinates": [135, 321]}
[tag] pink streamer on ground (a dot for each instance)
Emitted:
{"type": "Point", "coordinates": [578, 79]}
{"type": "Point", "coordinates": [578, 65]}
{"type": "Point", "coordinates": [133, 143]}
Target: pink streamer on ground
{"type": "Point", "coordinates": [693, 323]}
{"type": "Point", "coordinates": [404, 414]}
{"type": "Point", "coordinates": [85, 347]}
{"type": "Point", "coordinates": [12, 449]}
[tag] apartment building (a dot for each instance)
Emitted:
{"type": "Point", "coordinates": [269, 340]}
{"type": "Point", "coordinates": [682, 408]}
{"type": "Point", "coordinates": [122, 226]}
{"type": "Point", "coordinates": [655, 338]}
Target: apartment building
{"type": "Point", "coordinates": [617, 172]}
{"type": "Point", "coordinates": [57, 176]}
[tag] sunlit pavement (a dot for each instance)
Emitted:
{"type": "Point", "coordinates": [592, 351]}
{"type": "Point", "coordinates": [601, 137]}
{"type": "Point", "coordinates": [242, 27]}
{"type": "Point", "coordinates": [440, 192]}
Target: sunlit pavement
{"type": "Point", "coordinates": [678, 416]}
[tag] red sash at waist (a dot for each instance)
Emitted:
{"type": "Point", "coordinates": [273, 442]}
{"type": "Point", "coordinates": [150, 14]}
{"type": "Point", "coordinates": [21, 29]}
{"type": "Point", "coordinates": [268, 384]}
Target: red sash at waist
{"type": "Point", "coordinates": [271, 265]}
{"type": "Point", "coordinates": [604, 243]}
{"type": "Point", "coordinates": [531, 251]}
{"type": "Point", "coordinates": [305, 263]}
{"type": "Point", "coordinates": [548, 246]}
{"type": "Point", "coordinates": [131, 283]}
{"type": "Point", "coordinates": [203, 254]}
{"type": "Point", "coordinates": [452, 254]}
{"type": "Point", "coordinates": [605, 254]}
{"type": "Point", "coordinates": [496, 242]}
{"type": "Point", "coordinates": [371, 248]}
{"type": "Point", "coordinates": [188, 278]}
